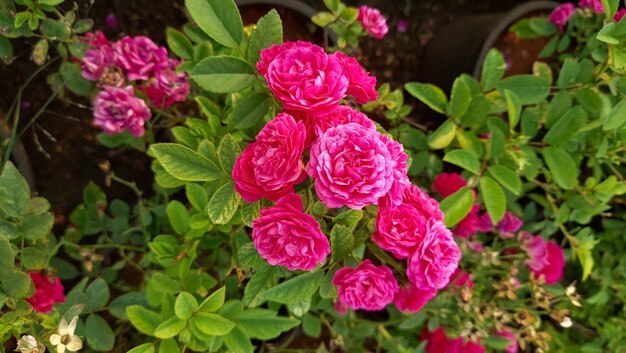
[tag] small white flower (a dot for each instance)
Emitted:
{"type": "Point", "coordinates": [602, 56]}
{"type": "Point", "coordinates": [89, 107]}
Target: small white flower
{"type": "Point", "coordinates": [28, 344]}
{"type": "Point", "coordinates": [567, 322]}
{"type": "Point", "coordinates": [66, 339]}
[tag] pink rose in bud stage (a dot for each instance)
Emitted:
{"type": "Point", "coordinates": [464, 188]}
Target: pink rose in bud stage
{"type": "Point", "coordinates": [508, 334]}
{"type": "Point", "coordinates": [439, 342]}
{"type": "Point", "coordinates": [619, 15]}
{"type": "Point", "coordinates": [374, 23]}
{"type": "Point", "coordinates": [48, 291]}
{"type": "Point", "coordinates": [353, 166]}
{"type": "Point", "coordinates": [546, 258]}
{"type": "Point", "coordinates": [272, 165]}
{"type": "Point", "coordinates": [436, 258]}
{"type": "Point", "coordinates": [411, 299]}
{"type": "Point", "coordinates": [594, 5]}
{"type": "Point", "coordinates": [561, 14]}
{"type": "Point", "coordinates": [342, 115]}
{"type": "Point", "coordinates": [118, 109]}
{"type": "Point", "coordinates": [446, 184]}
{"type": "Point", "coordinates": [139, 57]}
{"type": "Point", "coordinates": [366, 286]}
{"type": "Point", "coordinates": [361, 86]}
{"type": "Point", "coordinates": [286, 236]}
{"type": "Point", "coordinates": [167, 86]}
{"type": "Point", "coordinates": [468, 225]}
{"type": "Point", "coordinates": [303, 77]}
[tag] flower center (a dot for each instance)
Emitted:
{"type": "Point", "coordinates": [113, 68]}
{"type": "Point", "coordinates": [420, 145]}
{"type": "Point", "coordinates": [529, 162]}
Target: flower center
{"type": "Point", "coordinates": [66, 339]}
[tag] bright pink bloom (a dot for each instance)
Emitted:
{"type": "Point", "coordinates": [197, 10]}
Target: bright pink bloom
{"type": "Point", "coordinates": [461, 279]}
{"type": "Point", "coordinates": [352, 166]}
{"type": "Point", "coordinates": [118, 109]}
{"type": "Point", "coordinates": [484, 223]}
{"type": "Point", "coordinates": [561, 14]}
{"type": "Point", "coordinates": [509, 224]}
{"type": "Point", "coordinates": [419, 199]}
{"type": "Point", "coordinates": [401, 180]}
{"type": "Point", "coordinates": [272, 165]}
{"type": "Point", "coordinates": [411, 299]}
{"type": "Point", "coordinates": [436, 258]}
{"type": "Point", "coordinates": [96, 61]}
{"type": "Point", "coordinates": [139, 57]}
{"type": "Point", "coordinates": [303, 77]}
{"type": "Point", "coordinates": [374, 23]}
{"type": "Point", "coordinates": [446, 184]}
{"type": "Point", "coordinates": [47, 292]}
{"type": "Point", "coordinates": [468, 225]}
{"type": "Point", "coordinates": [546, 258]}
{"type": "Point", "coordinates": [168, 86]}
{"type": "Point", "coordinates": [594, 5]}
{"type": "Point", "coordinates": [366, 287]}
{"type": "Point", "coordinates": [439, 342]}
{"type": "Point", "coordinates": [286, 236]}
{"type": "Point", "coordinates": [344, 114]}
{"type": "Point", "coordinates": [96, 39]}
{"type": "Point", "coordinates": [362, 86]}
{"type": "Point", "coordinates": [619, 15]}
{"type": "Point", "coordinates": [512, 348]}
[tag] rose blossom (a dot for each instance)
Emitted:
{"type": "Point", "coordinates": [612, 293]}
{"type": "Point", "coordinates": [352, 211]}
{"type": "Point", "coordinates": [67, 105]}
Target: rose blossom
{"type": "Point", "coordinates": [419, 199]}
{"type": "Point", "coordinates": [96, 62]}
{"type": "Point", "coordinates": [303, 77]}
{"type": "Point", "coordinates": [117, 109]}
{"type": "Point", "coordinates": [400, 169]}
{"type": "Point", "coordinates": [508, 225]}
{"type": "Point", "coordinates": [286, 236]}
{"type": "Point", "coordinates": [411, 299]}
{"type": "Point", "coordinates": [352, 166]}
{"type": "Point", "coordinates": [546, 258]}
{"type": "Point", "coordinates": [47, 292]}
{"type": "Point", "coordinates": [342, 115]}
{"type": "Point", "coordinates": [272, 165]}
{"type": "Point", "coordinates": [96, 39]}
{"type": "Point", "coordinates": [446, 184]}
{"type": "Point", "coordinates": [366, 287]}
{"type": "Point", "coordinates": [561, 14]}
{"type": "Point", "coordinates": [470, 224]}
{"type": "Point", "coordinates": [374, 23]}
{"type": "Point", "coordinates": [619, 15]}
{"type": "Point", "coordinates": [168, 86]}
{"type": "Point", "coordinates": [461, 279]}
{"type": "Point", "coordinates": [506, 333]}
{"type": "Point", "coordinates": [139, 56]}
{"type": "Point", "coordinates": [436, 258]}
{"type": "Point", "coordinates": [594, 5]}
{"type": "Point", "coordinates": [439, 342]}
{"type": "Point", "coordinates": [362, 86]}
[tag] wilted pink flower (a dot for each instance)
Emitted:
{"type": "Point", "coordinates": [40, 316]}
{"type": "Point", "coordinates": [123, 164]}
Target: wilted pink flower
{"type": "Point", "coordinates": [546, 258]}
{"type": "Point", "coordinates": [48, 291]}
{"type": "Point", "coordinates": [508, 225]}
{"type": "Point", "coordinates": [139, 56]}
{"type": "Point", "coordinates": [286, 236]}
{"type": "Point", "coordinates": [594, 5]}
{"type": "Point", "coordinates": [167, 86]}
{"type": "Point", "coordinates": [561, 14]}
{"type": "Point", "coordinates": [411, 299]}
{"type": "Point", "coordinates": [436, 258]}
{"type": "Point", "coordinates": [96, 61]}
{"type": "Point", "coordinates": [361, 86]}
{"type": "Point", "coordinates": [374, 23]}
{"type": "Point", "coordinates": [506, 333]}
{"type": "Point", "coordinates": [439, 342]}
{"type": "Point", "coordinates": [118, 109]}
{"type": "Point", "coordinates": [419, 199]}
{"type": "Point", "coordinates": [111, 20]}
{"type": "Point", "coordinates": [619, 15]}
{"type": "Point", "coordinates": [342, 115]}
{"type": "Point", "coordinates": [352, 166]}
{"type": "Point", "coordinates": [303, 77]}
{"type": "Point", "coordinates": [468, 225]}
{"type": "Point", "coordinates": [366, 287]}
{"type": "Point", "coordinates": [272, 165]}
{"type": "Point", "coordinates": [446, 184]}
{"type": "Point", "coordinates": [461, 279]}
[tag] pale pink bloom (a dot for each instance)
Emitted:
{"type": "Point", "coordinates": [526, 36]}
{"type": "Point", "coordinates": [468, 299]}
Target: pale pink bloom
{"type": "Point", "coordinates": [286, 236]}
{"type": "Point", "coordinates": [411, 299]}
{"type": "Point", "coordinates": [436, 258]}
{"type": "Point", "coordinates": [619, 15]}
{"type": "Point", "coordinates": [374, 23]}
{"type": "Point", "coordinates": [344, 114]}
{"type": "Point", "coordinates": [366, 287]}
{"type": "Point", "coordinates": [546, 258]}
{"type": "Point", "coordinates": [139, 57]}
{"type": "Point", "coordinates": [508, 334]}
{"type": "Point", "coordinates": [48, 291]}
{"type": "Point", "coordinates": [446, 184]}
{"type": "Point", "coordinates": [594, 5]}
{"type": "Point", "coordinates": [362, 86]}
{"type": "Point", "coordinates": [561, 14]}
{"type": "Point", "coordinates": [118, 109]}
{"type": "Point", "coordinates": [167, 86]}
{"type": "Point", "coordinates": [272, 165]}
{"type": "Point", "coordinates": [476, 246]}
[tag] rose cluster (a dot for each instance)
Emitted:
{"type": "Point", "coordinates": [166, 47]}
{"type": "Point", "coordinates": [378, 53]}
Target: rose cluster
{"type": "Point", "coordinates": [117, 67]}
{"type": "Point", "coordinates": [561, 15]}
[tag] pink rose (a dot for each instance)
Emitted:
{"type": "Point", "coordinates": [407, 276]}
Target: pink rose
{"type": "Point", "coordinates": [272, 165]}
{"type": "Point", "coordinates": [303, 77]}
{"type": "Point", "coordinates": [461, 279]}
{"type": "Point", "coordinates": [439, 342]}
{"type": "Point", "coordinates": [508, 225]}
{"type": "Point", "coordinates": [546, 258]}
{"type": "Point", "coordinates": [594, 5]}
{"type": "Point", "coordinates": [506, 333]}
{"type": "Point", "coordinates": [96, 62]}
{"type": "Point", "coordinates": [352, 166]}
{"type": "Point", "coordinates": [96, 39]}
{"type": "Point", "coordinates": [561, 14]}
{"type": "Point", "coordinates": [374, 23]}
{"type": "Point", "coordinates": [342, 115]}
{"type": "Point", "coordinates": [419, 199]}
{"type": "Point", "coordinates": [400, 177]}
{"type": "Point", "coordinates": [470, 224]}
{"type": "Point", "coordinates": [411, 299]}
{"type": "Point", "coordinates": [118, 109]}
{"type": "Point", "coordinates": [167, 86]}
{"type": "Point", "coordinates": [362, 86]}
{"type": "Point", "coordinates": [446, 184]}
{"type": "Point", "coordinates": [436, 258]}
{"type": "Point", "coordinates": [619, 15]}
{"type": "Point", "coordinates": [48, 291]}
{"type": "Point", "coordinates": [366, 287]}
{"type": "Point", "coordinates": [285, 236]}
{"type": "Point", "coordinates": [139, 56]}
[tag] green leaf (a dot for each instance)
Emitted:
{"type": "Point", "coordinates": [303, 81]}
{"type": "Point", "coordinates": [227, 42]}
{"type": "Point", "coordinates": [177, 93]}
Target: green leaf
{"type": "Point", "coordinates": [18, 285]}
{"type": "Point", "coordinates": [264, 324]}
{"type": "Point", "coordinates": [569, 73]}
{"type": "Point", "coordinates": [460, 98]}
{"type": "Point", "coordinates": [507, 177]}
{"type": "Point", "coordinates": [497, 342]}
{"type": "Point", "coordinates": [185, 306]}
{"type": "Point", "coordinates": [264, 278]}
{"type": "Point", "coordinates": [170, 328]}
{"type": "Point", "coordinates": [349, 218]}
{"type": "Point", "coordinates": [493, 69]}
{"type": "Point", "coordinates": [456, 206]}
{"type": "Point", "coordinates": [169, 346]}
{"type": "Point", "coordinates": [494, 198]}
{"type": "Point", "coordinates": [99, 334]}
{"type": "Point", "coordinates": [144, 348]}
{"type": "Point", "coordinates": [144, 320]}
{"type": "Point", "coordinates": [228, 151]}
{"type": "Point", "coordinates": [184, 163]}
{"type": "Point", "coordinates": [197, 196]}
{"type": "Point", "coordinates": [178, 216]}
{"type": "Point", "coordinates": [312, 325]}
{"type": "Point", "coordinates": [528, 88]}
{"type": "Point", "coordinates": [179, 43]}
{"type": "Point", "coordinates": [561, 166]}
{"type": "Point", "coordinates": [7, 258]}
{"type": "Point", "coordinates": [214, 302]}
{"type": "Point", "coordinates": [443, 136]}
{"type": "Point", "coordinates": [219, 19]}
{"type": "Point", "coordinates": [98, 294]}
{"type": "Point", "coordinates": [73, 79]}
{"type": "Point", "coordinates": [223, 74]}
{"type": "Point", "coordinates": [296, 289]}
{"type": "Point", "coordinates": [118, 306]}
{"type": "Point", "coordinates": [14, 192]}
{"type": "Point", "coordinates": [212, 324]}
{"type": "Point", "coordinates": [341, 242]}
{"type": "Point", "coordinates": [36, 227]}
{"type": "Point", "coordinates": [33, 258]}
{"type": "Point", "coordinates": [616, 118]}
{"type": "Point", "coordinates": [464, 159]}
{"type": "Point", "coordinates": [250, 110]}
{"type": "Point", "coordinates": [238, 342]}
{"type": "Point", "coordinates": [566, 127]}
{"type": "Point", "coordinates": [429, 94]}
{"type": "Point", "coordinates": [6, 50]}
{"type": "Point", "coordinates": [268, 31]}
{"type": "Point", "coordinates": [224, 204]}
{"type": "Point", "coordinates": [514, 107]}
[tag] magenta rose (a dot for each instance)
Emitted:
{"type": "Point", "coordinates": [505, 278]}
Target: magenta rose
{"type": "Point", "coordinates": [118, 109]}
{"type": "Point", "coordinates": [546, 258]}
{"type": "Point", "coordinates": [400, 229]}
{"type": "Point", "coordinates": [96, 62]}
{"type": "Point", "coordinates": [342, 115]}
{"type": "Point", "coordinates": [436, 258]}
{"type": "Point", "coordinates": [286, 236]}
{"type": "Point", "coordinates": [561, 14]}
{"type": "Point", "coordinates": [411, 299]}
{"type": "Point", "coordinates": [508, 334]}
{"type": "Point", "coordinates": [593, 5]}
{"type": "Point", "coordinates": [48, 291]}
{"type": "Point", "coordinates": [619, 15]}
{"type": "Point", "coordinates": [167, 86]}
{"type": "Point", "coordinates": [272, 165]}
{"type": "Point", "coordinates": [508, 225]}
{"type": "Point", "coordinates": [361, 86]}
{"type": "Point", "coordinates": [439, 342]}
{"type": "Point", "coordinates": [366, 286]}
{"type": "Point", "coordinates": [96, 39]}
{"type": "Point", "coordinates": [419, 199]}
{"type": "Point", "coordinates": [303, 77]}
{"type": "Point", "coordinates": [446, 184]}
{"type": "Point", "coordinates": [461, 279]}
{"type": "Point", "coordinates": [139, 57]}
{"type": "Point", "coordinates": [470, 224]}
{"type": "Point", "coordinates": [374, 23]}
